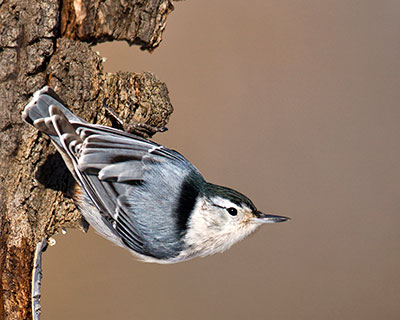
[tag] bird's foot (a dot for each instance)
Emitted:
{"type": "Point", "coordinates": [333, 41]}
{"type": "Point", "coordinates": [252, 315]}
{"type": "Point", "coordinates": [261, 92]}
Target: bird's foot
{"type": "Point", "coordinates": [140, 129]}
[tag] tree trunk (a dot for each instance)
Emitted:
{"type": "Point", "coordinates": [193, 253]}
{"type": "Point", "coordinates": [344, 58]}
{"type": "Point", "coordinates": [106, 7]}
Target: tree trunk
{"type": "Point", "coordinates": [47, 42]}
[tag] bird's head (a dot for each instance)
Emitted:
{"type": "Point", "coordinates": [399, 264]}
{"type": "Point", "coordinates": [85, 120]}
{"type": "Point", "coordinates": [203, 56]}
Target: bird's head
{"type": "Point", "coordinates": [222, 217]}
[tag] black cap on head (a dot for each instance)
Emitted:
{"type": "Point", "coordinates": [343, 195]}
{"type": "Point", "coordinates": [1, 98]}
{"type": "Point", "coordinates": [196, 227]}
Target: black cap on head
{"type": "Point", "coordinates": [214, 190]}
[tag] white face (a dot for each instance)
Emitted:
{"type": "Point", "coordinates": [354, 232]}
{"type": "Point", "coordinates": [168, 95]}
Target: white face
{"type": "Point", "coordinates": [215, 225]}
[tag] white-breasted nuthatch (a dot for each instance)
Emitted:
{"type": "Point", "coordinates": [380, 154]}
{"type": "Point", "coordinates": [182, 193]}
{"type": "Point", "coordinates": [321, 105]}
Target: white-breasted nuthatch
{"type": "Point", "coordinates": [141, 195]}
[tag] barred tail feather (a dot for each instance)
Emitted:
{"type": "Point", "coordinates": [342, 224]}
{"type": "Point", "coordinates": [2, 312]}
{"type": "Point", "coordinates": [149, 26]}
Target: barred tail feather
{"type": "Point", "coordinates": [39, 105]}
{"type": "Point", "coordinates": [47, 113]}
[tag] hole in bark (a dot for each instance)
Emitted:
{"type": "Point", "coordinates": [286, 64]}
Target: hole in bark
{"type": "Point", "coordinates": [54, 174]}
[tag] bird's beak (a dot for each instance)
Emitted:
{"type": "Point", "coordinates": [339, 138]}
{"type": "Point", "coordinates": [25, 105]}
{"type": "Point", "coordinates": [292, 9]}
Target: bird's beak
{"type": "Point", "coordinates": [269, 218]}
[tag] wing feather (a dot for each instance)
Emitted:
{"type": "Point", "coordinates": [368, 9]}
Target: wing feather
{"type": "Point", "coordinates": [133, 181]}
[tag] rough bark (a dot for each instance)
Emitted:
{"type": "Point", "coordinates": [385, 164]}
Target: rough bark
{"type": "Point", "coordinates": [47, 42]}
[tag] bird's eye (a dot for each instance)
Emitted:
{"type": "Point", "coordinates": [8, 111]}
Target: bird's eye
{"type": "Point", "coordinates": [232, 211]}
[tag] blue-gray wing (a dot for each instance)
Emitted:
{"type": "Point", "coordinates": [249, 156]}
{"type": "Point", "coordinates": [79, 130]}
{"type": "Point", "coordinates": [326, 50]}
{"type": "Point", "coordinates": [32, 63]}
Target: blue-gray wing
{"type": "Point", "coordinates": [133, 183]}
{"type": "Point", "coordinates": [139, 183]}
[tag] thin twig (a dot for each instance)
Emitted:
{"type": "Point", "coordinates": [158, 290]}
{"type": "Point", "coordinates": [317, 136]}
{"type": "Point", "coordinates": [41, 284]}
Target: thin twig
{"type": "Point", "coordinates": [37, 278]}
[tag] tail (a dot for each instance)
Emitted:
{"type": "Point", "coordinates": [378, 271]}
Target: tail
{"type": "Point", "coordinates": [47, 113]}
{"type": "Point", "coordinates": [42, 109]}
{"type": "Point", "coordinates": [38, 107]}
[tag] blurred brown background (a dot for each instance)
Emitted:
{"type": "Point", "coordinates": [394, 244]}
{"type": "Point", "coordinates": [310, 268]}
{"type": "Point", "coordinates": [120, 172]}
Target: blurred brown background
{"type": "Point", "coordinates": [295, 104]}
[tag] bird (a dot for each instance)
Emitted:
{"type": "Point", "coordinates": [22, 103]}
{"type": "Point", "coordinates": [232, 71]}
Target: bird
{"type": "Point", "coordinates": [141, 195]}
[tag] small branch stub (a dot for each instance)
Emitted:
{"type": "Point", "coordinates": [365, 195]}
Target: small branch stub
{"type": "Point", "coordinates": [137, 22]}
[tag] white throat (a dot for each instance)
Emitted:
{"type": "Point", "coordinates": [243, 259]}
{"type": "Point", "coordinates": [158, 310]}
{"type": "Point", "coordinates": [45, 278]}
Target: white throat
{"type": "Point", "coordinates": [209, 232]}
